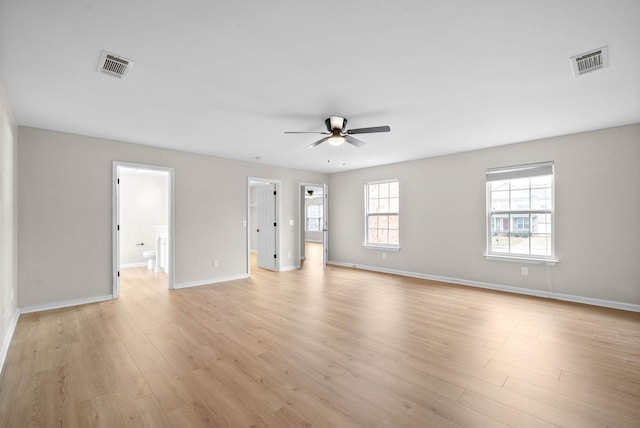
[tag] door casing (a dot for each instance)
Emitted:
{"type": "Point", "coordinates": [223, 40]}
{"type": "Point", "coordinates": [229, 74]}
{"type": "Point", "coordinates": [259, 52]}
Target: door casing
{"type": "Point", "coordinates": [115, 216]}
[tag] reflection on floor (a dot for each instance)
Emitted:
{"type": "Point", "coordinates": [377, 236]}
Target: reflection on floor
{"type": "Point", "coordinates": [313, 253]}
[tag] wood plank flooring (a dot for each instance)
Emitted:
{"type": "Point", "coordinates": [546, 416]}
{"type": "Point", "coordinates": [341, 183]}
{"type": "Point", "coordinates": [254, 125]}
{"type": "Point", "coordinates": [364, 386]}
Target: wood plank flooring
{"type": "Point", "coordinates": [314, 348]}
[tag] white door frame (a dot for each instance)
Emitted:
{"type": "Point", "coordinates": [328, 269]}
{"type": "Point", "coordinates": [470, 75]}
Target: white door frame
{"type": "Point", "coordinates": [325, 226]}
{"type": "Point", "coordinates": [302, 215]}
{"type": "Point", "coordinates": [278, 184]}
{"type": "Point", "coordinates": [115, 216]}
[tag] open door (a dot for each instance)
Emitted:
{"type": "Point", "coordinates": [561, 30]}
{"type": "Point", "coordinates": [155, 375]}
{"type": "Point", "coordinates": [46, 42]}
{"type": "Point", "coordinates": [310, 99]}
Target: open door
{"type": "Point", "coordinates": [325, 229]}
{"type": "Point", "coordinates": [267, 227]}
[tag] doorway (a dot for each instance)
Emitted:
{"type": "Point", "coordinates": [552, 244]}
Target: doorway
{"type": "Point", "coordinates": [263, 223]}
{"type": "Point", "coordinates": [314, 224]}
{"type": "Point", "coordinates": [143, 223]}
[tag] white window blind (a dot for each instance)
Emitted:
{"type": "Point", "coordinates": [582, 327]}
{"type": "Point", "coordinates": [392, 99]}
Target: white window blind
{"type": "Point", "coordinates": [522, 171]}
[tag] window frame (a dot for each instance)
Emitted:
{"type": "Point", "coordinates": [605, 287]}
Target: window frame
{"type": "Point", "coordinates": [367, 214]}
{"type": "Point", "coordinates": [513, 173]}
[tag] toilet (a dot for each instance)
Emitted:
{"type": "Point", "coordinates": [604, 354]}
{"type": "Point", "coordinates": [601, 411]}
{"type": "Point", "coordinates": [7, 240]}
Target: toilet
{"type": "Point", "coordinates": [150, 256]}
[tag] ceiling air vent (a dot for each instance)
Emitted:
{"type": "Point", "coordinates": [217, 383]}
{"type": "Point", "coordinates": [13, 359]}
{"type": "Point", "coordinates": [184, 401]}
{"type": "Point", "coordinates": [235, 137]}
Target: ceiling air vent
{"type": "Point", "coordinates": [590, 61]}
{"type": "Point", "coordinates": [114, 65]}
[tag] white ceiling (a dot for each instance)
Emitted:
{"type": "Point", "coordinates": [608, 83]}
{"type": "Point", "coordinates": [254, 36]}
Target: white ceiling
{"type": "Point", "coordinates": [227, 77]}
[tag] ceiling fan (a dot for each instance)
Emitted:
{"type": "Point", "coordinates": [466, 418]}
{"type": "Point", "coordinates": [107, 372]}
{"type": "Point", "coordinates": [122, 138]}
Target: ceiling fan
{"type": "Point", "coordinates": [336, 132]}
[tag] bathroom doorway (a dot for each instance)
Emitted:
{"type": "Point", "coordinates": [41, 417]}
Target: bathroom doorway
{"type": "Point", "coordinates": [142, 225]}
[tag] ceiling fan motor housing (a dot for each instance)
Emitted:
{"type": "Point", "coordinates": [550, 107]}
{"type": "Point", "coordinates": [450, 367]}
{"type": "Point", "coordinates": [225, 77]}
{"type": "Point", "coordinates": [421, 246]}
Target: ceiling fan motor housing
{"type": "Point", "coordinates": [335, 123]}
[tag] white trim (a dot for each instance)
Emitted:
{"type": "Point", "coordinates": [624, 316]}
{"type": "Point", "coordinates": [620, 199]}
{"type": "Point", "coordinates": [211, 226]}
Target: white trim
{"type": "Point", "coordinates": [288, 268]}
{"type": "Point", "coordinates": [7, 338]}
{"type": "Point", "coordinates": [132, 265]}
{"type": "Point", "coordinates": [210, 281]}
{"type": "Point", "coordinates": [529, 259]}
{"type": "Point", "coordinates": [499, 287]}
{"type": "Point", "coordinates": [327, 224]}
{"type": "Point", "coordinates": [319, 241]}
{"type": "Point", "coordinates": [382, 247]}
{"type": "Point", "coordinates": [65, 304]}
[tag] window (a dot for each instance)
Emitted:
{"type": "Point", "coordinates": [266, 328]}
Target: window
{"type": "Point", "coordinates": [520, 211]}
{"type": "Point", "coordinates": [382, 212]}
{"type": "Point", "coordinates": [314, 218]}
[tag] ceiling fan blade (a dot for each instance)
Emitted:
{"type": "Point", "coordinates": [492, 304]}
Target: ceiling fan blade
{"type": "Point", "coordinates": [306, 132]}
{"type": "Point", "coordinates": [354, 141]}
{"type": "Point", "coordinates": [317, 143]}
{"type": "Point", "coordinates": [369, 130]}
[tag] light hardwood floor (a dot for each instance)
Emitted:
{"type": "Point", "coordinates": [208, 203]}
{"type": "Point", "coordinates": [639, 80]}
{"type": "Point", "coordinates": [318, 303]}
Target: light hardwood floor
{"type": "Point", "coordinates": [339, 348]}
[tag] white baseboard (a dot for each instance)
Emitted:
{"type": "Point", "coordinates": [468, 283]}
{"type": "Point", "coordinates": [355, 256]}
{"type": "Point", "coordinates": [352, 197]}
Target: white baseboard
{"type": "Point", "coordinates": [499, 287]}
{"type": "Point", "coordinates": [65, 304]}
{"type": "Point", "coordinates": [7, 339]}
{"type": "Point", "coordinates": [130, 265]}
{"type": "Point", "coordinates": [288, 268]}
{"type": "Point", "coordinates": [209, 281]}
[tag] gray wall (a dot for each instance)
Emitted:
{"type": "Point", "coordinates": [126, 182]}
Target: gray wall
{"type": "Point", "coordinates": [8, 218]}
{"type": "Point", "coordinates": [443, 226]}
{"type": "Point", "coordinates": [64, 203]}
{"type": "Point", "coordinates": [65, 213]}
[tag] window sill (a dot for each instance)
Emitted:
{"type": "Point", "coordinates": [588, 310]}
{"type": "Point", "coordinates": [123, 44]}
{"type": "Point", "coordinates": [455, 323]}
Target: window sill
{"type": "Point", "coordinates": [381, 247]}
{"type": "Point", "coordinates": [521, 259]}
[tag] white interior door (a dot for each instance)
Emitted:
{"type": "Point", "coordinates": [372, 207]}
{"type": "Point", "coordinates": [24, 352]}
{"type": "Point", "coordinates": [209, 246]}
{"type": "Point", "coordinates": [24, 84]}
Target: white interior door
{"type": "Point", "coordinates": [325, 228]}
{"type": "Point", "coordinates": [116, 231]}
{"type": "Point", "coordinates": [267, 227]}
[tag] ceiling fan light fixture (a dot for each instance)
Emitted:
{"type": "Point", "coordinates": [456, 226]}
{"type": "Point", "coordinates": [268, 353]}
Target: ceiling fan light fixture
{"type": "Point", "coordinates": [337, 134]}
{"type": "Point", "coordinates": [336, 140]}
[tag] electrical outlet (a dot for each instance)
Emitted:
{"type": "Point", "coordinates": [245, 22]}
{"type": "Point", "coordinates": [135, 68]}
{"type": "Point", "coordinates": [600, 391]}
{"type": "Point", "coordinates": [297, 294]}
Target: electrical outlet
{"type": "Point", "coordinates": [384, 256]}
{"type": "Point", "coordinates": [291, 222]}
{"type": "Point", "coordinates": [289, 254]}
{"type": "Point", "coordinates": [216, 263]}
{"type": "Point", "coordinates": [524, 271]}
